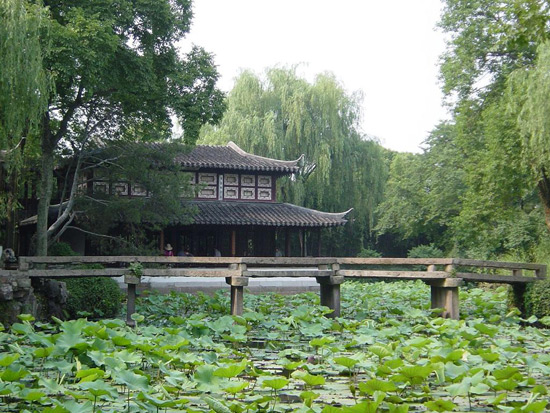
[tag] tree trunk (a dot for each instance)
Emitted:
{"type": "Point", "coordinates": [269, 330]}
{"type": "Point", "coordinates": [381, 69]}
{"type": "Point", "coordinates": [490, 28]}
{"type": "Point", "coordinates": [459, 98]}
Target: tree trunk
{"type": "Point", "coordinates": [46, 183]}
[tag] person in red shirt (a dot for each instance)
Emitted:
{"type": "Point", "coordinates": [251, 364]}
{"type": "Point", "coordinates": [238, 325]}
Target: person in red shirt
{"type": "Point", "coordinates": [168, 251]}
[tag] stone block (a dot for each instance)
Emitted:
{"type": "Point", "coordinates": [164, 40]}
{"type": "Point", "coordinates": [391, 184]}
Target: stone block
{"type": "Point", "coordinates": [24, 282]}
{"type": "Point", "coordinates": [63, 293]}
{"type": "Point", "coordinates": [331, 280]}
{"type": "Point", "coordinates": [237, 281]}
{"type": "Point", "coordinates": [131, 279]}
{"type": "Point", "coordinates": [6, 292]}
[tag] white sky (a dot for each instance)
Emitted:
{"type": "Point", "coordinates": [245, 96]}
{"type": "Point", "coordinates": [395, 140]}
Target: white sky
{"type": "Point", "coordinates": [389, 50]}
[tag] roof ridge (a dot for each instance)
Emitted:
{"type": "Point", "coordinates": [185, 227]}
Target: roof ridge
{"type": "Point", "coordinates": [335, 214]}
{"type": "Point", "coordinates": [242, 152]}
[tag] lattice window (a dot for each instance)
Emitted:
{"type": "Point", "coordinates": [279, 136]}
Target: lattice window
{"type": "Point", "coordinates": [231, 179]}
{"type": "Point", "coordinates": [120, 188]}
{"type": "Point", "coordinates": [264, 181]}
{"type": "Point", "coordinates": [209, 192]}
{"type": "Point", "coordinates": [207, 178]}
{"type": "Point", "coordinates": [248, 193]}
{"type": "Point", "coordinates": [264, 194]}
{"type": "Point", "coordinates": [138, 190]}
{"type": "Point", "coordinates": [248, 180]}
{"type": "Point", "coordinates": [101, 187]}
{"type": "Point", "coordinates": [230, 193]}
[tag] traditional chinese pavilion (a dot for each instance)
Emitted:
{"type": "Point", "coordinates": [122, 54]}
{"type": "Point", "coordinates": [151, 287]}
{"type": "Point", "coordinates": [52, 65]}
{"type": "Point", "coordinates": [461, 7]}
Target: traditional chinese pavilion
{"type": "Point", "coordinates": [236, 212]}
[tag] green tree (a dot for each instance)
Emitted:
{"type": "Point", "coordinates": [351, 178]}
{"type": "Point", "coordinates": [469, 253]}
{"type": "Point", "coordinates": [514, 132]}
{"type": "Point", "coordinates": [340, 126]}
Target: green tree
{"type": "Point", "coordinates": [122, 225]}
{"type": "Point", "coordinates": [491, 48]}
{"type": "Point", "coordinates": [117, 72]}
{"type": "Point", "coordinates": [424, 192]}
{"type": "Point", "coordinates": [487, 40]}
{"type": "Point", "coordinates": [284, 116]}
{"type": "Point", "coordinates": [529, 92]}
{"type": "Point", "coordinates": [24, 91]}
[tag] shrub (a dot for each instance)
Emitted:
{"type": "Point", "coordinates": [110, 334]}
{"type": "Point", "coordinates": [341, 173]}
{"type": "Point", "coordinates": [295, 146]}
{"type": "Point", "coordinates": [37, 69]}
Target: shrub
{"type": "Point", "coordinates": [96, 297]}
{"type": "Point", "coordinates": [368, 253]}
{"type": "Point", "coordinates": [537, 299]}
{"type": "Point", "coordinates": [425, 251]}
{"type": "Point", "coordinates": [61, 249]}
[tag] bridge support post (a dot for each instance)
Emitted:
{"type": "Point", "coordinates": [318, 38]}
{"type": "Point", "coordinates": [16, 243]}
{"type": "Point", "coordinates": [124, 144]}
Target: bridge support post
{"type": "Point", "coordinates": [237, 293]}
{"type": "Point", "coordinates": [444, 294]}
{"type": "Point", "coordinates": [329, 288]}
{"type": "Point", "coordinates": [131, 282]}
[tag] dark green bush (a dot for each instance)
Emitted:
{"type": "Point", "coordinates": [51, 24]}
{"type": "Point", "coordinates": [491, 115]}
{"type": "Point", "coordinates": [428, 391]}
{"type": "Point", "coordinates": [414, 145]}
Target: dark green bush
{"type": "Point", "coordinates": [369, 253]}
{"type": "Point", "coordinates": [61, 249]}
{"type": "Point", "coordinates": [95, 297]}
{"type": "Point", "coordinates": [537, 299]}
{"type": "Point", "coordinates": [425, 251]}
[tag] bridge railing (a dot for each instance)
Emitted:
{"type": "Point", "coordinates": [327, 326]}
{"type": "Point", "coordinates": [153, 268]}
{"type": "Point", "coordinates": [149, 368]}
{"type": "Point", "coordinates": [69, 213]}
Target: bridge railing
{"type": "Point", "coordinates": [444, 275]}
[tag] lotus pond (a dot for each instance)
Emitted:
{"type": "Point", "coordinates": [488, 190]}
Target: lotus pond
{"type": "Point", "coordinates": [388, 353]}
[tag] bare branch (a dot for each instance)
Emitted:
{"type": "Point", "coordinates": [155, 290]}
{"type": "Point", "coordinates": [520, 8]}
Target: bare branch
{"type": "Point", "coordinates": [68, 208]}
{"type": "Point", "coordinates": [109, 161]}
{"type": "Point", "coordinates": [98, 235]}
{"type": "Point", "coordinates": [99, 201]}
{"type": "Point", "coordinates": [64, 124]}
{"type": "Point", "coordinates": [64, 228]}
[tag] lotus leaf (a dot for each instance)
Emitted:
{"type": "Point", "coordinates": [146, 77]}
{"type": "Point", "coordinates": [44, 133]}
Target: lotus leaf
{"type": "Point", "coordinates": [371, 386]}
{"type": "Point", "coordinates": [11, 375]}
{"type": "Point", "coordinates": [235, 387]}
{"type": "Point", "coordinates": [230, 371]}
{"type": "Point", "coordinates": [132, 380]}
{"type": "Point", "coordinates": [347, 362]}
{"type": "Point", "coordinates": [99, 388]}
{"type": "Point", "coordinates": [276, 383]}
{"type": "Point", "coordinates": [8, 359]}
{"type": "Point", "coordinates": [309, 379]}
{"type": "Point", "coordinates": [440, 405]}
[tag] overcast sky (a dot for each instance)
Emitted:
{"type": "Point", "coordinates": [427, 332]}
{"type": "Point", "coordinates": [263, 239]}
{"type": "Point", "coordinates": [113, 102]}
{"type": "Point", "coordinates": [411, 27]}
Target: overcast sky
{"type": "Point", "coordinates": [388, 49]}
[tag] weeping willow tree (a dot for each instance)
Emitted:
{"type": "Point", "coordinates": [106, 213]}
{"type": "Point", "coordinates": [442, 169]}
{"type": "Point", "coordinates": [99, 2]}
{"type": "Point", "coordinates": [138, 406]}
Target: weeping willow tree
{"type": "Point", "coordinates": [23, 95]}
{"type": "Point", "coordinates": [284, 116]}
{"type": "Point", "coordinates": [528, 93]}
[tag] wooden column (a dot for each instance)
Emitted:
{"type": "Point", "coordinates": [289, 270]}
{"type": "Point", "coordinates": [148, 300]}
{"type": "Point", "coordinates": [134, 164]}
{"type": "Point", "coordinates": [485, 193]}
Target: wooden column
{"type": "Point", "coordinates": [131, 282]}
{"type": "Point", "coordinates": [329, 288]}
{"type": "Point", "coordinates": [287, 242]}
{"type": "Point", "coordinates": [444, 294]}
{"type": "Point", "coordinates": [237, 293]}
{"type": "Point", "coordinates": [233, 243]}
{"type": "Point", "coordinates": [318, 242]}
{"type": "Point", "coordinates": [161, 246]}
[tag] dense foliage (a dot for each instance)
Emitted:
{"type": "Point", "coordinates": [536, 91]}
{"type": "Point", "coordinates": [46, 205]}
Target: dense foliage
{"type": "Point", "coordinates": [116, 73]}
{"type": "Point", "coordinates": [284, 116]}
{"type": "Point", "coordinates": [93, 297]}
{"type": "Point", "coordinates": [480, 189]}
{"type": "Point", "coordinates": [536, 299]}
{"type": "Point", "coordinates": [130, 225]}
{"type": "Point", "coordinates": [388, 353]}
{"type": "Point", "coordinates": [24, 89]}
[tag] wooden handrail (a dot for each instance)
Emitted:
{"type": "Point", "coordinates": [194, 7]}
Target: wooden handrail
{"type": "Point", "coordinates": [431, 268]}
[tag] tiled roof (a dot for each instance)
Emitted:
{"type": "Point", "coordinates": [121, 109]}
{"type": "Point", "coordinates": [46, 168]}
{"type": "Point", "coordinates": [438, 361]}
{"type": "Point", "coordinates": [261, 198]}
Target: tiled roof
{"type": "Point", "coordinates": [250, 213]}
{"type": "Point", "coordinates": [233, 157]}
{"type": "Point", "coordinates": [263, 214]}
